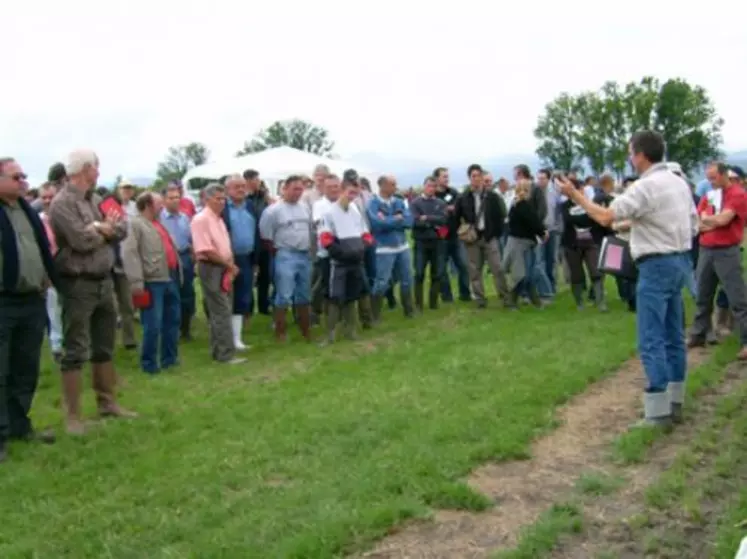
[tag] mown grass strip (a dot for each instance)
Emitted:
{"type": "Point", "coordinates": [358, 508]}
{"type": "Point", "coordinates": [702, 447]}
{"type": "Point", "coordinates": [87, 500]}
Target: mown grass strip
{"type": "Point", "coordinates": [344, 445]}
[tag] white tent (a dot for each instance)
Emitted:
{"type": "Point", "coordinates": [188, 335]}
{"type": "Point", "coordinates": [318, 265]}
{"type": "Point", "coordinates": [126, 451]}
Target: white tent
{"type": "Point", "coordinates": [274, 165]}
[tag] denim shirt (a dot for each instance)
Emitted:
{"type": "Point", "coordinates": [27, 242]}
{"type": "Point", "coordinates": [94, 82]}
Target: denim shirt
{"type": "Point", "coordinates": [242, 230]}
{"type": "Point", "coordinates": [178, 227]}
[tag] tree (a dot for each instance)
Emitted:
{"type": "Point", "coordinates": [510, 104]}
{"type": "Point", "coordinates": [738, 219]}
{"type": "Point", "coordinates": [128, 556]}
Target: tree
{"type": "Point", "coordinates": [595, 127]}
{"type": "Point", "coordinates": [591, 125]}
{"type": "Point", "coordinates": [687, 119]}
{"type": "Point", "coordinates": [181, 159]}
{"type": "Point", "coordinates": [294, 133]}
{"type": "Point", "coordinates": [558, 134]}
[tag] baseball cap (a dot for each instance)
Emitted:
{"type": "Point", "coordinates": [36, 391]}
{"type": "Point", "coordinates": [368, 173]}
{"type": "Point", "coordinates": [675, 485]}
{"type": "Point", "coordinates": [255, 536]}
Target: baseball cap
{"type": "Point", "coordinates": [735, 171]}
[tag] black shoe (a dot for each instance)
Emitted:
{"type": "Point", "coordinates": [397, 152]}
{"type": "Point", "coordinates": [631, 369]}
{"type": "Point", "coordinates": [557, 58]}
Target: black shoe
{"type": "Point", "coordinates": [44, 437]}
{"type": "Point", "coordinates": [130, 347]}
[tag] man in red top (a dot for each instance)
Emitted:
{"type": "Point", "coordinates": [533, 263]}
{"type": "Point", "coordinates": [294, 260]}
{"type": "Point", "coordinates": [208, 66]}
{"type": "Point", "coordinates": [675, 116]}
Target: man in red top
{"type": "Point", "coordinates": [722, 214]}
{"type": "Point", "coordinates": [186, 205]}
{"type": "Point", "coordinates": [152, 265]}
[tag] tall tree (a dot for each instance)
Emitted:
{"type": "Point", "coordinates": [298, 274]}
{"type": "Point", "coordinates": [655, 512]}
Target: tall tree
{"type": "Point", "coordinates": [181, 159]}
{"type": "Point", "coordinates": [295, 133]}
{"type": "Point", "coordinates": [591, 117]}
{"type": "Point", "coordinates": [687, 119]}
{"type": "Point", "coordinates": [595, 126]}
{"type": "Point", "coordinates": [558, 135]}
{"type": "Point", "coordinates": [617, 131]}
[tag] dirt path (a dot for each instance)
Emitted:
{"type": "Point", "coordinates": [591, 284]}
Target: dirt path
{"type": "Point", "coordinates": [523, 490]}
{"type": "Point", "coordinates": [610, 526]}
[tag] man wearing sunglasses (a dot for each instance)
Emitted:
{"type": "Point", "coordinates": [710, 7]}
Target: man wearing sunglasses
{"type": "Point", "coordinates": [26, 269]}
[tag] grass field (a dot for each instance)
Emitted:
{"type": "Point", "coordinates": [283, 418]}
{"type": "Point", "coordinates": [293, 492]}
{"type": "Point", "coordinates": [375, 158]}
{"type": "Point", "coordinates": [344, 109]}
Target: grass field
{"type": "Point", "coordinates": [303, 452]}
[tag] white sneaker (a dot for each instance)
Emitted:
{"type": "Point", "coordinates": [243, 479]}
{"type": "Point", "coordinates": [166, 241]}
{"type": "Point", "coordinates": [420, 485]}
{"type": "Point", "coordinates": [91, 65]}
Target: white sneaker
{"type": "Point", "coordinates": [236, 361]}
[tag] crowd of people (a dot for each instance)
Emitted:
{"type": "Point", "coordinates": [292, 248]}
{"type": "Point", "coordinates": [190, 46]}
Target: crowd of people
{"type": "Point", "coordinates": [79, 262]}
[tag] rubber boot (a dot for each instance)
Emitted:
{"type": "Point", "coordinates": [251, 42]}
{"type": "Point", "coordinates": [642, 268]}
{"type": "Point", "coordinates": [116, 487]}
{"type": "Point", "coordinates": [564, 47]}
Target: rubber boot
{"type": "Point", "coordinates": [405, 297]}
{"type": "Point", "coordinates": [104, 379]}
{"type": "Point", "coordinates": [433, 296]}
{"type": "Point", "coordinates": [303, 312]}
{"type": "Point", "coordinates": [657, 410]}
{"type": "Point", "coordinates": [237, 325]}
{"type": "Point", "coordinates": [365, 314]}
{"type": "Point", "coordinates": [419, 296]}
{"type": "Point", "coordinates": [186, 328]}
{"type": "Point", "coordinates": [348, 321]}
{"type": "Point", "coordinates": [281, 326]}
{"type": "Point", "coordinates": [333, 318]}
{"type": "Point", "coordinates": [599, 296]}
{"type": "Point", "coordinates": [676, 392]}
{"type": "Point", "coordinates": [71, 391]}
{"type": "Point", "coordinates": [376, 303]}
{"type": "Point", "coordinates": [578, 294]}
{"type": "Point", "coordinates": [512, 300]}
{"type": "Point", "coordinates": [534, 297]}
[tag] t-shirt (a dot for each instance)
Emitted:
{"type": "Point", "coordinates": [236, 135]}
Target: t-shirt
{"type": "Point", "coordinates": [731, 198]}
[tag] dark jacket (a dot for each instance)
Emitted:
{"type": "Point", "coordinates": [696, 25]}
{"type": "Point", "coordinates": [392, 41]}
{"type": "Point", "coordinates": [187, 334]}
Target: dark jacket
{"type": "Point", "coordinates": [434, 210]}
{"type": "Point", "coordinates": [523, 221]}
{"type": "Point", "coordinates": [450, 196]}
{"type": "Point", "coordinates": [574, 218]}
{"type": "Point", "coordinates": [259, 205]}
{"type": "Point", "coordinates": [494, 213]}
{"type": "Point", "coordinates": [538, 201]}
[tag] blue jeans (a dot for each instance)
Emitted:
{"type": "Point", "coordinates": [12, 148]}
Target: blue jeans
{"type": "Point", "coordinates": [292, 276]}
{"type": "Point", "coordinates": [187, 290]}
{"type": "Point", "coordinates": [549, 252]}
{"type": "Point", "coordinates": [389, 266]}
{"type": "Point", "coordinates": [530, 263]}
{"type": "Point", "coordinates": [660, 319]}
{"type": "Point", "coordinates": [541, 281]}
{"type": "Point", "coordinates": [454, 254]}
{"type": "Point", "coordinates": [160, 324]}
{"type": "Point", "coordinates": [243, 285]}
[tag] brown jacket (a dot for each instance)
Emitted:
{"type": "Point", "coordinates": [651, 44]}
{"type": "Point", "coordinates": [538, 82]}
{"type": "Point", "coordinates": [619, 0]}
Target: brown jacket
{"type": "Point", "coordinates": [82, 251]}
{"type": "Point", "coordinates": [143, 255]}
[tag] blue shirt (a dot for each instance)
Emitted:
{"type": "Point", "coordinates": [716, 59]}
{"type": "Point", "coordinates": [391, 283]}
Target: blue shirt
{"type": "Point", "coordinates": [703, 188]}
{"type": "Point", "coordinates": [243, 229]}
{"type": "Point", "coordinates": [178, 227]}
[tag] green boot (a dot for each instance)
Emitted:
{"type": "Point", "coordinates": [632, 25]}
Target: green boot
{"type": "Point", "coordinates": [578, 294]}
{"type": "Point", "coordinates": [333, 317]}
{"type": "Point", "coordinates": [348, 321]}
{"type": "Point", "coordinates": [599, 296]}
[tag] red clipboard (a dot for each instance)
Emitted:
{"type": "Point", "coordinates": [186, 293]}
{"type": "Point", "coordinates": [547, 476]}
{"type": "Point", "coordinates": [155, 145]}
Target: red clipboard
{"type": "Point", "coordinates": [226, 282]}
{"type": "Point", "coordinates": [142, 300]}
{"type": "Point", "coordinates": [110, 205]}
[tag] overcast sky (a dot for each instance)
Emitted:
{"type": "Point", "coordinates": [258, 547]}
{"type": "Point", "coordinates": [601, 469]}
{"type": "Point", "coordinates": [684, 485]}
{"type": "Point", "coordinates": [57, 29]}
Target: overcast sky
{"type": "Point", "coordinates": [403, 78]}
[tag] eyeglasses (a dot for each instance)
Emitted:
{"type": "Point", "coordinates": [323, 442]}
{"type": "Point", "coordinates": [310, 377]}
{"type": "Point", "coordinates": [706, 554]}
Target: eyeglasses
{"type": "Point", "coordinates": [18, 177]}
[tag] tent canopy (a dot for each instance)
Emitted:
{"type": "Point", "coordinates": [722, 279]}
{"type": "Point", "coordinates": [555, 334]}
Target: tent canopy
{"type": "Point", "coordinates": [275, 164]}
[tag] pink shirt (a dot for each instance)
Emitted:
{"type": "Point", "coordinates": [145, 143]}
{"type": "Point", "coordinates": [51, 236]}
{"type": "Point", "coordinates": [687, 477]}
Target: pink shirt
{"type": "Point", "coordinates": [50, 234]}
{"type": "Point", "coordinates": [209, 233]}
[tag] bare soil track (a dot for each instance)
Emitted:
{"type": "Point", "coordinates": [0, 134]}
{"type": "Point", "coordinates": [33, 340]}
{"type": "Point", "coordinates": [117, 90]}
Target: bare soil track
{"type": "Point", "coordinates": [523, 490]}
{"type": "Point", "coordinates": [609, 532]}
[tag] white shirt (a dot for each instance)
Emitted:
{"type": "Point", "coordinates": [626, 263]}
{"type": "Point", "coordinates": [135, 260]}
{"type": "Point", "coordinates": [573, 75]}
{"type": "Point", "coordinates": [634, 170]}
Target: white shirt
{"type": "Point", "coordinates": [320, 209]}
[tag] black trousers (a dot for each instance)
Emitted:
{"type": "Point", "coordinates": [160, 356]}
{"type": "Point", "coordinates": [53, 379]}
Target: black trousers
{"type": "Point", "coordinates": [23, 321]}
{"type": "Point", "coordinates": [430, 254]}
{"type": "Point", "coordinates": [264, 280]}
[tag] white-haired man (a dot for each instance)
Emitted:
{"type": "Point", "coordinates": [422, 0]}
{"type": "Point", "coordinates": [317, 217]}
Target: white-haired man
{"type": "Point", "coordinates": [84, 261]}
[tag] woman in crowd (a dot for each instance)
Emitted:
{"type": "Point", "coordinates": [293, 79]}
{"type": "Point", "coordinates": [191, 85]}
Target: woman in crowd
{"type": "Point", "coordinates": [581, 239]}
{"type": "Point", "coordinates": [525, 230]}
